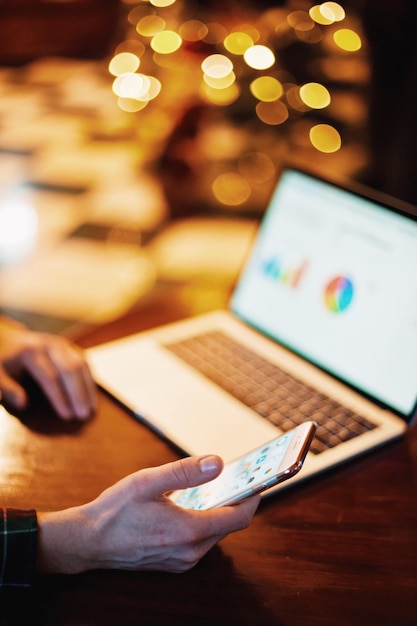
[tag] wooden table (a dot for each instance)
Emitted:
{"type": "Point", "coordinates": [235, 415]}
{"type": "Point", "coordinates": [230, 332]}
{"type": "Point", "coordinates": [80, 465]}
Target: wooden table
{"type": "Point", "coordinates": [340, 549]}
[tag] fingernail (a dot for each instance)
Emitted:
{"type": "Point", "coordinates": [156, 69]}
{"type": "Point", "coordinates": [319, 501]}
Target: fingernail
{"type": "Point", "coordinates": [209, 464]}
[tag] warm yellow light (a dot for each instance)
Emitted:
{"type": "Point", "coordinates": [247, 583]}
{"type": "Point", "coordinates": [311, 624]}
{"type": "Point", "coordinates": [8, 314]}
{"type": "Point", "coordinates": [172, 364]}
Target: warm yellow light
{"type": "Point", "coordinates": [217, 66]}
{"type": "Point", "coordinates": [319, 17]}
{"type": "Point", "coordinates": [141, 92]}
{"type": "Point", "coordinates": [266, 88]}
{"type": "Point", "coordinates": [333, 11]}
{"type": "Point", "coordinates": [238, 43]}
{"type": "Point", "coordinates": [18, 227]}
{"type": "Point", "coordinates": [347, 40]}
{"type": "Point", "coordinates": [150, 25]}
{"type": "Point", "coordinates": [131, 86]}
{"type": "Point", "coordinates": [162, 3]}
{"type": "Point", "coordinates": [315, 95]}
{"type": "Point", "coordinates": [325, 138]}
{"type": "Point", "coordinates": [154, 88]}
{"type": "Point", "coordinates": [272, 113]}
{"type": "Point", "coordinates": [193, 30]}
{"type": "Point", "coordinates": [231, 189]}
{"type": "Point", "coordinates": [259, 57]}
{"type": "Point", "coordinates": [248, 29]}
{"type": "Point", "coordinates": [130, 105]}
{"type": "Point", "coordinates": [123, 62]}
{"type": "Point", "coordinates": [221, 97]}
{"type": "Point", "coordinates": [220, 83]}
{"type": "Point", "coordinates": [166, 42]}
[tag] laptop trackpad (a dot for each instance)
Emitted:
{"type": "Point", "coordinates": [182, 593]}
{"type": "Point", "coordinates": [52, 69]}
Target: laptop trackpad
{"type": "Point", "coordinates": [178, 401]}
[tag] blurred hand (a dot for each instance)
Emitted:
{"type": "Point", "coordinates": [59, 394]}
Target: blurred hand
{"type": "Point", "coordinates": [53, 362]}
{"type": "Point", "coordinates": [133, 525]}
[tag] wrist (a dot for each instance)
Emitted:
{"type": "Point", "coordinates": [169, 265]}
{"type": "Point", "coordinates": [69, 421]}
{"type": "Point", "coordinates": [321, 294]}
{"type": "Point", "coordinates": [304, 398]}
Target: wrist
{"type": "Point", "coordinates": [64, 541]}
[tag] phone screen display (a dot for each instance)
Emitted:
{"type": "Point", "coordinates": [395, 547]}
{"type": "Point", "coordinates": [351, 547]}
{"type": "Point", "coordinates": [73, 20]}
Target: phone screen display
{"type": "Point", "coordinates": [241, 477]}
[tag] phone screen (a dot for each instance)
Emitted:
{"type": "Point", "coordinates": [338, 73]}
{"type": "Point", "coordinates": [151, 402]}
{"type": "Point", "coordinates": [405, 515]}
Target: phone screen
{"type": "Point", "coordinates": [256, 471]}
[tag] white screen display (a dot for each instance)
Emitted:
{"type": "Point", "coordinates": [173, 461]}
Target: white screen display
{"type": "Point", "coordinates": [333, 276]}
{"type": "Point", "coordinates": [238, 476]}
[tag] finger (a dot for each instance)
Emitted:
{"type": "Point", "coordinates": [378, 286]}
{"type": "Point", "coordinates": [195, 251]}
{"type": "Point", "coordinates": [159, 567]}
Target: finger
{"type": "Point", "coordinates": [214, 525]}
{"type": "Point", "coordinates": [12, 393]}
{"type": "Point", "coordinates": [90, 386]}
{"type": "Point", "coordinates": [210, 527]}
{"type": "Point", "coordinates": [40, 366]}
{"type": "Point", "coordinates": [62, 374]}
{"type": "Point", "coordinates": [181, 474]}
{"type": "Point", "coordinates": [75, 378]}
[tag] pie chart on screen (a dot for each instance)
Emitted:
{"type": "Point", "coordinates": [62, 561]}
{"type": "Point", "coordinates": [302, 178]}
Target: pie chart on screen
{"type": "Point", "coordinates": [338, 294]}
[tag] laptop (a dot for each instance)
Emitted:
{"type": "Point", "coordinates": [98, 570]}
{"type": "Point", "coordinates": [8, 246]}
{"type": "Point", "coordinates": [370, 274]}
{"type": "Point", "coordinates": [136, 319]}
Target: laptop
{"type": "Point", "coordinates": [322, 325]}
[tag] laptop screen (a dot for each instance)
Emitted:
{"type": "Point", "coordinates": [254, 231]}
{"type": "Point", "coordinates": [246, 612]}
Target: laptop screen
{"type": "Point", "coordinates": [332, 275]}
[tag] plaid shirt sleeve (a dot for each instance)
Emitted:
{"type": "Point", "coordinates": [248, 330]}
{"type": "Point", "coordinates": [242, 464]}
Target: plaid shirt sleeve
{"type": "Point", "coordinates": [18, 547]}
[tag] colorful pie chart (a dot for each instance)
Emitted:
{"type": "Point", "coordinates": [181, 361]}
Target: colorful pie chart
{"type": "Point", "coordinates": [338, 294]}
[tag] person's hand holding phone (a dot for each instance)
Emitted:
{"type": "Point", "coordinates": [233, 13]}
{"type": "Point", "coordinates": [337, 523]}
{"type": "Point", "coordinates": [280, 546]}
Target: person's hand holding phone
{"type": "Point", "coordinates": [134, 525]}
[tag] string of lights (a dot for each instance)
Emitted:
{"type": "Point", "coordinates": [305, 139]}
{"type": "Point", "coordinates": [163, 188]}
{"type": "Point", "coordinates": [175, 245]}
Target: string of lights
{"type": "Point", "coordinates": [225, 62]}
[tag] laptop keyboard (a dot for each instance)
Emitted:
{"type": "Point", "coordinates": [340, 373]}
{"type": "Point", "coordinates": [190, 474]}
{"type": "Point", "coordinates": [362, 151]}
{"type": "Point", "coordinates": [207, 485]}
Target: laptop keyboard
{"type": "Point", "coordinates": [270, 391]}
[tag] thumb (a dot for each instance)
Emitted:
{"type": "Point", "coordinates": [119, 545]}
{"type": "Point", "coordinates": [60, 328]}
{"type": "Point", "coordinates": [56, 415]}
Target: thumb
{"type": "Point", "coordinates": [11, 392]}
{"type": "Point", "coordinates": [187, 472]}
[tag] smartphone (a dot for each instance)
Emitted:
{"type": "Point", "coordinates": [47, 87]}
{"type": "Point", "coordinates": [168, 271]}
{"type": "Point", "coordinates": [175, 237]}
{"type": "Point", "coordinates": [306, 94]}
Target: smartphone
{"type": "Point", "coordinates": [252, 473]}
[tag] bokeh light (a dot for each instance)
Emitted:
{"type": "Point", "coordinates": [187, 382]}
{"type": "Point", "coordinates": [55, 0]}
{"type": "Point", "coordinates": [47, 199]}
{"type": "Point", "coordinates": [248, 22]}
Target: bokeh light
{"type": "Point", "coordinates": [123, 62]}
{"type": "Point", "coordinates": [220, 83]}
{"type": "Point", "coordinates": [162, 3]}
{"type": "Point", "coordinates": [266, 88]}
{"type": "Point", "coordinates": [272, 113]}
{"type": "Point", "coordinates": [166, 42]}
{"type": "Point", "coordinates": [259, 57]}
{"type": "Point", "coordinates": [150, 25]}
{"type": "Point", "coordinates": [18, 227]}
{"type": "Point", "coordinates": [248, 29]}
{"type": "Point", "coordinates": [222, 97]}
{"type": "Point", "coordinates": [347, 40]}
{"type": "Point", "coordinates": [230, 60]}
{"type": "Point", "coordinates": [130, 85]}
{"type": "Point", "coordinates": [231, 189]}
{"type": "Point", "coordinates": [315, 95]}
{"type": "Point", "coordinates": [333, 11]}
{"type": "Point", "coordinates": [217, 66]}
{"type": "Point", "coordinates": [325, 138]}
{"type": "Point", "coordinates": [238, 42]}
{"type": "Point", "coordinates": [130, 105]}
{"type": "Point", "coordinates": [193, 30]}
{"type": "Point", "coordinates": [319, 17]}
